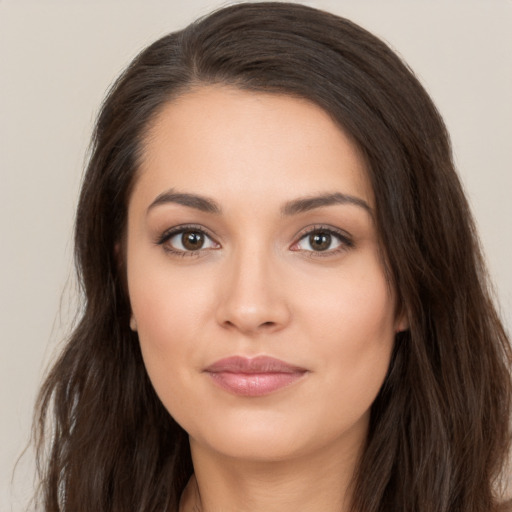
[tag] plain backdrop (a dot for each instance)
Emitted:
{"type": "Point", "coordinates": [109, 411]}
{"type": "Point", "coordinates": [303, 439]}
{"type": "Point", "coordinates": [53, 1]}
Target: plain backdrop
{"type": "Point", "coordinates": [57, 58]}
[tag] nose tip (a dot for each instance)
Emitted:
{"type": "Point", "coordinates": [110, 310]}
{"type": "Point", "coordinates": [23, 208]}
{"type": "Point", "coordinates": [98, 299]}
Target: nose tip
{"type": "Point", "coordinates": [264, 317]}
{"type": "Point", "coordinates": [252, 302]}
{"type": "Point", "coordinates": [248, 323]}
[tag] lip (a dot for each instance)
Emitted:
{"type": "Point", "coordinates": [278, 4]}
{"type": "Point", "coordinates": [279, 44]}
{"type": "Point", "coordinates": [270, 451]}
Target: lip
{"type": "Point", "coordinates": [255, 376]}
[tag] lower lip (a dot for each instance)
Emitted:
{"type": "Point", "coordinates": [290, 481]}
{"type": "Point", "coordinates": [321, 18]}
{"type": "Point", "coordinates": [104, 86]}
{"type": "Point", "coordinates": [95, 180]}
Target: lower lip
{"type": "Point", "coordinates": [254, 384]}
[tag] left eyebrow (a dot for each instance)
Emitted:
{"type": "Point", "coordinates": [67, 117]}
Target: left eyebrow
{"type": "Point", "coordinates": [308, 203]}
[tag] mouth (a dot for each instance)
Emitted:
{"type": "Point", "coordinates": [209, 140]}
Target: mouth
{"type": "Point", "coordinates": [252, 377]}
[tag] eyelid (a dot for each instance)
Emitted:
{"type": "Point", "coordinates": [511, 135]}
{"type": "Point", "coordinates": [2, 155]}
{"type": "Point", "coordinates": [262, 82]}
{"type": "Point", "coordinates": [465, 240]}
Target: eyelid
{"type": "Point", "coordinates": [176, 230]}
{"type": "Point", "coordinates": [345, 239]}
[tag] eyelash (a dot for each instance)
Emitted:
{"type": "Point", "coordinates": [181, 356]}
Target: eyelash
{"type": "Point", "coordinates": [170, 233]}
{"type": "Point", "coordinates": [343, 238]}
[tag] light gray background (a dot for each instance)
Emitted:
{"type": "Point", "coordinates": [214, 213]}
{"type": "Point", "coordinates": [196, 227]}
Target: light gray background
{"type": "Point", "coordinates": [57, 60]}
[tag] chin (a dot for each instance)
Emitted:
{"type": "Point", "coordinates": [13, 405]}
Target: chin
{"type": "Point", "coordinates": [256, 447]}
{"type": "Point", "coordinates": [275, 439]}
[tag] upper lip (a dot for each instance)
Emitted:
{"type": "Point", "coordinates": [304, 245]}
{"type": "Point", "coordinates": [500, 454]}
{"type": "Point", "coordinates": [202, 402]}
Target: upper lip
{"type": "Point", "coordinates": [260, 364]}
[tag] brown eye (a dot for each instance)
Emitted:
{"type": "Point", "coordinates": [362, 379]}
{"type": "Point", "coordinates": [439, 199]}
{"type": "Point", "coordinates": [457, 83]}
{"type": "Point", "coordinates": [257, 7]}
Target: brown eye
{"type": "Point", "coordinates": [320, 241]}
{"type": "Point", "coordinates": [192, 240]}
{"type": "Point", "coordinates": [323, 240]}
{"type": "Point", "coordinates": [187, 241]}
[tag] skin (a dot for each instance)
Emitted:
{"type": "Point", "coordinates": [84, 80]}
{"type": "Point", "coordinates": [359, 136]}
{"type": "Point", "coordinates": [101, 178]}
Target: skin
{"type": "Point", "coordinates": [259, 287]}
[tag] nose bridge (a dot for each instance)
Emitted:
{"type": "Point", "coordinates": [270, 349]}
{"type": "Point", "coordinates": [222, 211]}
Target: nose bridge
{"type": "Point", "coordinates": [252, 298]}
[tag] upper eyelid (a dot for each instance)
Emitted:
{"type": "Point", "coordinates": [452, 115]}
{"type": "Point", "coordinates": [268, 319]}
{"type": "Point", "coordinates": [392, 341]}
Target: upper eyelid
{"type": "Point", "coordinates": [322, 227]}
{"type": "Point", "coordinates": [175, 230]}
{"type": "Point", "coordinates": [345, 239]}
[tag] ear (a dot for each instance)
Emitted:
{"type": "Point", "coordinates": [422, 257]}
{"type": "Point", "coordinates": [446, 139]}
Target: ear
{"type": "Point", "coordinates": [401, 322]}
{"type": "Point", "coordinates": [118, 256]}
{"type": "Point", "coordinates": [133, 323]}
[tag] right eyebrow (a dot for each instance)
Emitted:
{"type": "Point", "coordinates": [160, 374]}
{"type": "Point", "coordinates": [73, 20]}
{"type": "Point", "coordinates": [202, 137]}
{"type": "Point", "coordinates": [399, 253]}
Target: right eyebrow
{"type": "Point", "coordinates": [196, 201]}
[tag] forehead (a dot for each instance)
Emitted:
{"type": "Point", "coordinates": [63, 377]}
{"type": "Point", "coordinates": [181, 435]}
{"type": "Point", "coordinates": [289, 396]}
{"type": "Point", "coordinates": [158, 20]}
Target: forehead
{"type": "Point", "coordinates": [222, 141]}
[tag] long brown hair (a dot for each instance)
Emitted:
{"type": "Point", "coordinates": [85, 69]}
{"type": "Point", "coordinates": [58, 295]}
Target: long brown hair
{"type": "Point", "coordinates": [439, 430]}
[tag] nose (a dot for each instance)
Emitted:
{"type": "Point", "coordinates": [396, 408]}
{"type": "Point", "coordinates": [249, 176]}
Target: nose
{"type": "Point", "coordinates": [252, 298]}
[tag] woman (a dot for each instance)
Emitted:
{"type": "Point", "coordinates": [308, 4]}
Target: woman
{"type": "Point", "coordinates": [337, 350]}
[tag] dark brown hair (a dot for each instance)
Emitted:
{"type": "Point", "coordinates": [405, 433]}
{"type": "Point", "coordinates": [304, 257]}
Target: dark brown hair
{"type": "Point", "coordinates": [439, 431]}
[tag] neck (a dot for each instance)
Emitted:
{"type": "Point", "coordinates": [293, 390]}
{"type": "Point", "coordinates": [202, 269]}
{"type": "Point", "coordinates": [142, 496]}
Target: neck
{"type": "Point", "coordinates": [309, 483]}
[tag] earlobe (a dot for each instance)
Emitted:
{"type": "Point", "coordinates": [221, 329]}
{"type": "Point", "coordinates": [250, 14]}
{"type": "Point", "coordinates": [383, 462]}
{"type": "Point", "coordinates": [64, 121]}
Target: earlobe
{"type": "Point", "coordinates": [401, 318]}
{"type": "Point", "coordinates": [118, 254]}
{"type": "Point", "coordinates": [133, 323]}
{"type": "Point", "coordinates": [402, 323]}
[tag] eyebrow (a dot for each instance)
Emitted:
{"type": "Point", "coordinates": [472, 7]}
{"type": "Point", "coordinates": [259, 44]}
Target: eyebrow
{"type": "Point", "coordinates": [294, 207]}
{"type": "Point", "coordinates": [305, 204]}
{"type": "Point", "coordinates": [198, 202]}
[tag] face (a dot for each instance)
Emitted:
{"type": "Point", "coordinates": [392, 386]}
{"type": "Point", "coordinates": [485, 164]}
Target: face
{"type": "Point", "coordinates": [255, 278]}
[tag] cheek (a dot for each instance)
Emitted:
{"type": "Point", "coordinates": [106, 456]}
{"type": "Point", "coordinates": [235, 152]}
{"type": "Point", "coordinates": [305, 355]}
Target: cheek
{"type": "Point", "coordinates": [172, 307]}
{"type": "Point", "coordinates": [352, 323]}
{"type": "Point", "coordinates": [162, 345]}
{"type": "Point", "coordinates": [166, 299]}
{"type": "Point", "coordinates": [356, 303]}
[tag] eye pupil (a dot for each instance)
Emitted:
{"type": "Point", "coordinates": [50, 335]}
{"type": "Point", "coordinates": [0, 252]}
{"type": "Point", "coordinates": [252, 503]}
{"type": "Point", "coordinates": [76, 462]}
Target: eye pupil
{"type": "Point", "coordinates": [192, 240]}
{"type": "Point", "coordinates": [320, 241]}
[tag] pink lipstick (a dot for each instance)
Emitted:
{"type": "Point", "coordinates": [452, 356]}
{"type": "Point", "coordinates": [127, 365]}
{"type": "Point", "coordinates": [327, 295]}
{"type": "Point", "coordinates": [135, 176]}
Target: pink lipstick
{"type": "Point", "coordinates": [256, 376]}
